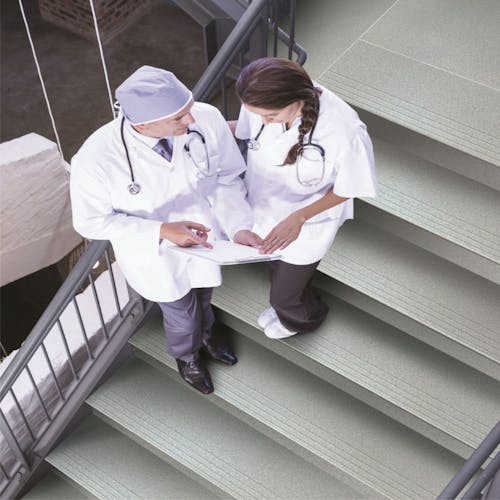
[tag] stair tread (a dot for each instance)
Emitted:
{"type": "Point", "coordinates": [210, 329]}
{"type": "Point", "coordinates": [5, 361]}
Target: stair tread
{"type": "Point", "coordinates": [437, 389]}
{"type": "Point", "coordinates": [438, 200]}
{"type": "Point", "coordinates": [106, 463]}
{"type": "Point", "coordinates": [53, 487]}
{"type": "Point", "coordinates": [310, 413]}
{"type": "Point", "coordinates": [451, 301]}
{"type": "Point", "coordinates": [215, 446]}
{"type": "Point", "coordinates": [410, 93]}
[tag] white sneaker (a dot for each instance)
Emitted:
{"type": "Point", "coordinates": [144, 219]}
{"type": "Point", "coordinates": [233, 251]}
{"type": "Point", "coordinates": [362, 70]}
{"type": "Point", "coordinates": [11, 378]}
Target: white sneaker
{"type": "Point", "coordinates": [275, 330]}
{"type": "Point", "coordinates": [267, 317]}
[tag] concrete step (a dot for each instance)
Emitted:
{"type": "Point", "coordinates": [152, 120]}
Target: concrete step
{"type": "Point", "coordinates": [107, 464]}
{"type": "Point", "coordinates": [410, 92]}
{"type": "Point", "coordinates": [319, 422]}
{"type": "Point", "coordinates": [462, 216]}
{"type": "Point", "coordinates": [431, 150]}
{"type": "Point", "coordinates": [458, 311]}
{"type": "Point", "coordinates": [407, 380]}
{"type": "Point", "coordinates": [54, 487]}
{"type": "Point", "coordinates": [214, 448]}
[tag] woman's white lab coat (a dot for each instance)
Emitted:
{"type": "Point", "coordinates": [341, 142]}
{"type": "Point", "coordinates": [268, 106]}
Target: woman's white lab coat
{"type": "Point", "coordinates": [274, 191]}
{"type": "Point", "coordinates": [103, 208]}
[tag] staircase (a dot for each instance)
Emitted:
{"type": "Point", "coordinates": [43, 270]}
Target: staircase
{"type": "Point", "coordinates": [401, 382]}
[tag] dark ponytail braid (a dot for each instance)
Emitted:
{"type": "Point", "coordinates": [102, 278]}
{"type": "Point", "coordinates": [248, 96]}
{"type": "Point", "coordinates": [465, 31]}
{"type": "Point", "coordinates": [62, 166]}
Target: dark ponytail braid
{"type": "Point", "coordinates": [274, 83]}
{"type": "Point", "coordinates": [310, 111]}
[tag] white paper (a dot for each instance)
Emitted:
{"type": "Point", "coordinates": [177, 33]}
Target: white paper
{"type": "Point", "coordinates": [227, 253]}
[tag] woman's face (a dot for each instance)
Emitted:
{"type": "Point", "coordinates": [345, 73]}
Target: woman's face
{"type": "Point", "coordinates": [284, 115]}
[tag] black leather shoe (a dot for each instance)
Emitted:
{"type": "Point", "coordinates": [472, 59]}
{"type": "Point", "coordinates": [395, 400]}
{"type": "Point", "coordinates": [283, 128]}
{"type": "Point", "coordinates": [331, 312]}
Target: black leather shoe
{"type": "Point", "coordinates": [196, 375]}
{"type": "Point", "coordinates": [220, 353]}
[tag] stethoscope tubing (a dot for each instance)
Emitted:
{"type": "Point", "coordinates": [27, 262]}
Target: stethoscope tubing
{"type": "Point", "coordinates": [134, 187]}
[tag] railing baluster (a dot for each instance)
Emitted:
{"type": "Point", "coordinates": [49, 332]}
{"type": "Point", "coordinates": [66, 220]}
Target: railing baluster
{"type": "Point", "coordinates": [275, 27]}
{"type": "Point", "coordinates": [484, 478]}
{"type": "Point", "coordinates": [11, 440]}
{"type": "Point", "coordinates": [51, 368]}
{"type": "Point", "coordinates": [265, 27]}
{"type": "Point", "coordinates": [82, 327]}
{"type": "Point", "coordinates": [66, 347]}
{"type": "Point", "coordinates": [23, 416]}
{"type": "Point", "coordinates": [223, 97]}
{"type": "Point", "coordinates": [37, 392]}
{"type": "Point", "coordinates": [4, 472]}
{"type": "Point", "coordinates": [472, 464]}
{"type": "Point", "coordinates": [113, 283]}
{"type": "Point", "coordinates": [292, 28]}
{"type": "Point", "coordinates": [98, 304]}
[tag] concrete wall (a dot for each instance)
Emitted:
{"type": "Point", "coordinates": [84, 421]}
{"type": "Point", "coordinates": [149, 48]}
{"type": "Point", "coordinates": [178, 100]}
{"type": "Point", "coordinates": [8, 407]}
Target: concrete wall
{"type": "Point", "coordinates": [35, 213]}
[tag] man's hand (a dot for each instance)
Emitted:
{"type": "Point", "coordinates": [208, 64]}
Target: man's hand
{"type": "Point", "coordinates": [185, 233]}
{"type": "Point", "coordinates": [246, 237]}
{"type": "Point", "coordinates": [284, 233]}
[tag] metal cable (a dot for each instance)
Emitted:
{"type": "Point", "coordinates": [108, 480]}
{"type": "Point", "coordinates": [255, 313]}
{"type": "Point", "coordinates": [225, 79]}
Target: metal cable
{"type": "Point", "coordinates": [40, 77]}
{"type": "Point", "coordinates": [105, 70]}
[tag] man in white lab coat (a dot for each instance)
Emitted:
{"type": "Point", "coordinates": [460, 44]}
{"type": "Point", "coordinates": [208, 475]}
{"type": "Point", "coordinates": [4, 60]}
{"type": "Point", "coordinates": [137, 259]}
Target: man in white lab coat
{"type": "Point", "coordinates": [165, 172]}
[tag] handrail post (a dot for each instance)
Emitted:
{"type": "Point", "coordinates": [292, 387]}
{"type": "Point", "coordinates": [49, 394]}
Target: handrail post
{"type": "Point", "coordinates": [472, 465]}
{"type": "Point", "coordinates": [12, 441]}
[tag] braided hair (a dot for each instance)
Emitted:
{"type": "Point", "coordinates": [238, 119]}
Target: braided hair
{"type": "Point", "coordinates": [274, 83]}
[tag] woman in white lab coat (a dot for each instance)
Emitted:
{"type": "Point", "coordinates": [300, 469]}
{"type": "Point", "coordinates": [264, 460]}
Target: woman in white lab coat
{"type": "Point", "coordinates": [308, 156]}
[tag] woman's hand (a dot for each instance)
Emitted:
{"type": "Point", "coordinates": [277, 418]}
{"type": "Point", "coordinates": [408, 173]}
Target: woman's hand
{"type": "Point", "coordinates": [284, 233]}
{"type": "Point", "coordinates": [246, 237]}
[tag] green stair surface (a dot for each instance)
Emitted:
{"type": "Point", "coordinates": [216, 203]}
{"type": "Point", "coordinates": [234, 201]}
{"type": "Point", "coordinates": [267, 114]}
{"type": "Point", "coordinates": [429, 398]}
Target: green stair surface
{"type": "Point", "coordinates": [406, 379]}
{"type": "Point", "coordinates": [441, 202]}
{"type": "Point", "coordinates": [323, 424]}
{"type": "Point", "coordinates": [461, 308]}
{"type": "Point", "coordinates": [54, 487]}
{"type": "Point", "coordinates": [410, 93]}
{"type": "Point", "coordinates": [107, 464]}
{"type": "Point", "coordinates": [216, 449]}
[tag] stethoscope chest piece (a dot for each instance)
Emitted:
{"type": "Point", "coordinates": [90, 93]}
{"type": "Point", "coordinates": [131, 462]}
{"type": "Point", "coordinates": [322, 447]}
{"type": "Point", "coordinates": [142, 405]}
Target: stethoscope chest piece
{"type": "Point", "coordinates": [134, 188]}
{"type": "Point", "coordinates": [253, 145]}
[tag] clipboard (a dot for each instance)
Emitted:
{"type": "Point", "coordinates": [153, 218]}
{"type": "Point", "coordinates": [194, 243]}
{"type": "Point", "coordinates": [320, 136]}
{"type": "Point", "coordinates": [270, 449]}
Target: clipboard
{"type": "Point", "coordinates": [227, 253]}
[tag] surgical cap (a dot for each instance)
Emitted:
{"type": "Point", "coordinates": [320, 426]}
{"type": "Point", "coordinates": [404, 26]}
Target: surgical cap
{"type": "Point", "coordinates": [150, 94]}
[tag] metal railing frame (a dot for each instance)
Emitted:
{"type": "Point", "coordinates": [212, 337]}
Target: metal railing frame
{"type": "Point", "coordinates": [264, 12]}
{"type": "Point", "coordinates": [472, 466]}
{"type": "Point", "coordinates": [85, 377]}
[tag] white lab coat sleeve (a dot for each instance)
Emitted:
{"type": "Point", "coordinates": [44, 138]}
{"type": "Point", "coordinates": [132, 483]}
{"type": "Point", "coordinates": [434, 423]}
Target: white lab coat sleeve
{"type": "Point", "coordinates": [356, 167]}
{"type": "Point", "coordinates": [231, 207]}
{"type": "Point", "coordinates": [93, 213]}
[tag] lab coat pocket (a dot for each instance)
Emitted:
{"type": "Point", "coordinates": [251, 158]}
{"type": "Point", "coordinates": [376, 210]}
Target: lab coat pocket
{"type": "Point", "coordinates": [313, 177]}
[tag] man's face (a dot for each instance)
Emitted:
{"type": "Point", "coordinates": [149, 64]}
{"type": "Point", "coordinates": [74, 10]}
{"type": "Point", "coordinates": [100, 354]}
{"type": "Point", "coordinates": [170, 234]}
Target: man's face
{"type": "Point", "coordinates": [174, 125]}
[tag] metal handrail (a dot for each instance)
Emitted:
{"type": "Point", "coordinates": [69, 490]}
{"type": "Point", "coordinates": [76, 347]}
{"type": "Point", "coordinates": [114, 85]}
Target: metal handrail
{"type": "Point", "coordinates": [49, 317]}
{"type": "Point", "coordinates": [472, 467]}
{"type": "Point", "coordinates": [24, 459]}
{"type": "Point", "coordinates": [27, 443]}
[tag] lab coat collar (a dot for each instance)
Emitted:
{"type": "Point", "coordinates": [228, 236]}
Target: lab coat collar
{"type": "Point", "coordinates": [150, 142]}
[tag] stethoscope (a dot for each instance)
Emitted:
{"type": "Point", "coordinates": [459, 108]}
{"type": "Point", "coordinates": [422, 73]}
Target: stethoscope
{"type": "Point", "coordinates": [194, 136]}
{"type": "Point", "coordinates": [304, 151]}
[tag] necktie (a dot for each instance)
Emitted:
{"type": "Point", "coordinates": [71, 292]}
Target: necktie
{"type": "Point", "coordinates": [164, 148]}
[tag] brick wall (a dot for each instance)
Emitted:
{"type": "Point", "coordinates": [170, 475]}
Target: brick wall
{"type": "Point", "coordinates": [113, 16]}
